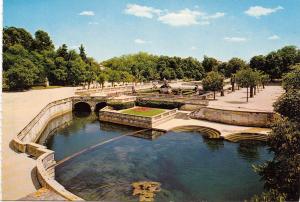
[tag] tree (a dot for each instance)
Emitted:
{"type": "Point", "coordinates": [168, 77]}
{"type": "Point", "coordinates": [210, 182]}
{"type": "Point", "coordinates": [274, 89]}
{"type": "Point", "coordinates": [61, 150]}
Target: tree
{"type": "Point", "coordinates": [42, 41]}
{"type": "Point", "coordinates": [101, 78]}
{"type": "Point", "coordinates": [289, 105]}
{"type": "Point", "coordinates": [258, 63]}
{"type": "Point", "coordinates": [292, 79]}
{"type": "Point", "coordinates": [113, 76]}
{"type": "Point", "coordinates": [234, 65]}
{"type": "Point", "coordinates": [213, 81]}
{"type": "Point", "coordinates": [62, 51]}
{"type": "Point", "coordinates": [245, 78]}
{"type": "Point", "coordinates": [273, 65]}
{"type": "Point", "coordinates": [282, 173]}
{"type": "Point", "coordinates": [13, 36]}
{"type": "Point", "coordinates": [22, 75]}
{"type": "Point", "coordinates": [209, 63]}
{"type": "Point", "coordinates": [289, 56]}
{"type": "Point", "coordinates": [82, 53]}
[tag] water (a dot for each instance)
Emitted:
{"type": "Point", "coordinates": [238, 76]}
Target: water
{"type": "Point", "coordinates": [188, 166]}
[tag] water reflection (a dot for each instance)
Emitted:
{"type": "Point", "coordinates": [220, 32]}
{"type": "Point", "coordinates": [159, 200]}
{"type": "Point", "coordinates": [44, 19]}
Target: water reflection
{"type": "Point", "coordinates": [250, 150]}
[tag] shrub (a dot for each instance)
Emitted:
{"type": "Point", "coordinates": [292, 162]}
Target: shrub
{"type": "Point", "coordinates": [120, 105]}
{"type": "Point", "coordinates": [159, 104]}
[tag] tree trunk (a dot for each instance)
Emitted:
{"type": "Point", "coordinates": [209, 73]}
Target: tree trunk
{"type": "Point", "coordinates": [238, 87]}
{"type": "Point", "coordinates": [232, 87]}
{"type": "Point", "coordinates": [214, 95]}
{"type": "Point", "coordinates": [254, 90]}
{"type": "Point", "coordinates": [251, 91]}
{"type": "Point", "coordinates": [263, 86]}
{"type": "Point", "coordinates": [222, 92]}
{"type": "Point", "coordinates": [247, 94]}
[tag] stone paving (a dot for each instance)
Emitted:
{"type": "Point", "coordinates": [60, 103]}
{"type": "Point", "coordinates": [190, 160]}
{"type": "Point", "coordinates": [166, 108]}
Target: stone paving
{"type": "Point", "coordinates": [18, 173]}
{"type": "Point", "coordinates": [43, 194]}
{"type": "Point", "coordinates": [262, 101]}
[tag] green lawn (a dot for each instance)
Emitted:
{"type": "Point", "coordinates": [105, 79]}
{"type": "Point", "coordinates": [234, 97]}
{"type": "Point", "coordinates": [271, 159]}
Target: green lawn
{"type": "Point", "coordinates": [43, 87]}
{"type": "Point", "coordinates": [143, 111]}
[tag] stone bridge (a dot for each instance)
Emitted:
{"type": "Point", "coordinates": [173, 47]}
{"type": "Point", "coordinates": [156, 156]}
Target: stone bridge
{"type": "Point", "coordinates": [93, 102]}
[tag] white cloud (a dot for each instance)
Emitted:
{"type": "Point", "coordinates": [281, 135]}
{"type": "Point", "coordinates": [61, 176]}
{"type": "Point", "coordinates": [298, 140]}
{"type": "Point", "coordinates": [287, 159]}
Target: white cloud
{"type": "Point", "coordinates": [141, 11]}
{"type": "Point", "coordinates": [185, 17]}
{"type": "Point", "coordinates": [93, 23]}
{"type": "Point", "coordinates": [235, 39]}
{"type": "Point", "coordinates": [193, 48]}
{"type": "Point", "coordinates": [257, 11]}
{"type": "Point", "coordinates": [141, 41]}
{"type": "Point", "coordinates": [274, 37]}
{"type": "Point", "coordinates": [214, 16]}
{"type": "Point", "coordinates": [87, 13]}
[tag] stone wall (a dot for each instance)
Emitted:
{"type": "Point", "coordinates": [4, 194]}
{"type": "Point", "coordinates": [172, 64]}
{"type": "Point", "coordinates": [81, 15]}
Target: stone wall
{"type": "Point", "coordinates": [233, 117]}
{"type": "Point", "coordinates": [25, 142]}
{"type": "Point", "coordinates": [114, 116]}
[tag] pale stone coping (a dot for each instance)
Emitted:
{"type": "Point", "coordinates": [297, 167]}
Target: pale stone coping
{"type": "Point", "coordinates": [45, 157]}
{"type": "Point", "coordinates": [268, 117]}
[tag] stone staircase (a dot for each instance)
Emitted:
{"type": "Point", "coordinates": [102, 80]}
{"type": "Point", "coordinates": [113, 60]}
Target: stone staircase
{"type": "Point", "coordinates": [246, 136]}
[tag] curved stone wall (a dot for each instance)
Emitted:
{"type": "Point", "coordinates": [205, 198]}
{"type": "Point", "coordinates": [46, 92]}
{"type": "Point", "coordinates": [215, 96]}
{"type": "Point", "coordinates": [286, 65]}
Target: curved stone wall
{"type": "Point", "coordinates": [25, 142]}
{"type": "Point", "coordinates": [234, 117]}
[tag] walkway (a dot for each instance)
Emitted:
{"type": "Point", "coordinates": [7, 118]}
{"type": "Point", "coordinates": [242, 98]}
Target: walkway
{"type": "Point", "coordinates": [224, 129]}
{"type": "Point", "coordinates": [262, 101]}
{"type": "Point", "coordinates": [18, 174]}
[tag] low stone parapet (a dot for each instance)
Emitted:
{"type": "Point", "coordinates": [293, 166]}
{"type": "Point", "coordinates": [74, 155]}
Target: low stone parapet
{"type": "Point", "coordinates": [234, 117]}
{"type": "Point", "coordinates": [114, 116]}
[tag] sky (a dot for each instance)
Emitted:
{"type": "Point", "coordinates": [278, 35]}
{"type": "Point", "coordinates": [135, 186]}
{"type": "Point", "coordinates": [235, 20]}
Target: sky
{"type": "Point", "coordinates": [216, 28]}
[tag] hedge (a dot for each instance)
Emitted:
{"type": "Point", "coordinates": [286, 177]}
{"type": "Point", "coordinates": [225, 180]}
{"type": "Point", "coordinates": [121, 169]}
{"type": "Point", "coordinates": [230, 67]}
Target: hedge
{"type": "Point", "coordinates": [120, 105]}
{"type": "Point", "coordinates": [158, 104]}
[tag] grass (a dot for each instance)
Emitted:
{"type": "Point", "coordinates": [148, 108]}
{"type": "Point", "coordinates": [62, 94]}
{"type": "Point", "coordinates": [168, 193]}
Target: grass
{"type": "Point", "coordinates": [143, 111]}
{"type": "Point", "coordinates": [43, 87]}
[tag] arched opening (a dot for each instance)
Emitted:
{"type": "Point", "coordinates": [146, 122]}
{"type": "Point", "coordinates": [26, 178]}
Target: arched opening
{"type": "Point", "coordinates": [99, 106]}
{"type": "Point", "coordinates": [82, 109]}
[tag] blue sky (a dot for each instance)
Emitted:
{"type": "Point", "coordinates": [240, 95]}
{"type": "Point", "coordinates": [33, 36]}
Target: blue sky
{"type": "Point", "coordinates": [108, 28]}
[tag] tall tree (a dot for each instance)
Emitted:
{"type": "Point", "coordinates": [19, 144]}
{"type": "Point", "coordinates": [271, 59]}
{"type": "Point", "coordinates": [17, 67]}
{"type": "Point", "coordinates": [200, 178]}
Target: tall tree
{"type": "Point", "coordinates": [42, 41]}
{"type": "Point", "coordinates": [213, 81]}
{"type": "Point", "coordinates": [234, 65]}
{"type": "Point", "coordinates": [245, 79]}
{"type": "Point", "coordinates": [209, 63]}
{"type": "Point", "coordinates": [82, 53]}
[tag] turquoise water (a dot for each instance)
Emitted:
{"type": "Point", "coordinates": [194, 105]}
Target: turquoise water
{"type": "Point", "coordinates": [188, 166]}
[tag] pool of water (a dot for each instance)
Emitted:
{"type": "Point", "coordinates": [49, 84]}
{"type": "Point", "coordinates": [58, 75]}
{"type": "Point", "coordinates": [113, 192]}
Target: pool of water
{"type": "Point", "coordinates": [188, 166]}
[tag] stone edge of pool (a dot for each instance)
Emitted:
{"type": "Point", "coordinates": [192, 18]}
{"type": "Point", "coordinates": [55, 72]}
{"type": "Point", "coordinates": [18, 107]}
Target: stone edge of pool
{"type": "Point", "coordinates": [25, 142]}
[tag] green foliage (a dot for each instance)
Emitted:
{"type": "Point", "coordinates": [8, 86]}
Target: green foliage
{"type": "Point", "coordinates": [21, 75]}
{"type": "Point", "coordinates": [114, 76]}
{"type": "Point", "coordinates": [276, 63]}
{"type": "Point", "coordinates": [289, 105]}
{"type": "Point", "coordinates": [146, 67]}
{"type": "Point", "coordinates": [213, 81]}
{"type": "Point", "coordinates": [283, 172]}
{"type": "Point", "coordinates": [291, 80]}
{"type": "Point", "coordinates": [159, 104]}
{"type": "Point", "coordinates": [120, 105]}
{"type": "Point", "coordinates": [234, 65]}
{"type": "Point", "coordinates": [269, 196]}
{"type": "Point", "coordinates": [209, 63]}
{"type": "Point", "coordinates": [246, 78]}
{"type": "Point", "coordinates": [42, 41]}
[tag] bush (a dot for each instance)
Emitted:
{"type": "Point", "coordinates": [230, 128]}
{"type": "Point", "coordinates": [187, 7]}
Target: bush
{"type": "Point", "coordinates": [120, 105]}
{"type": "Point", "coordinates": [159, 104]}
